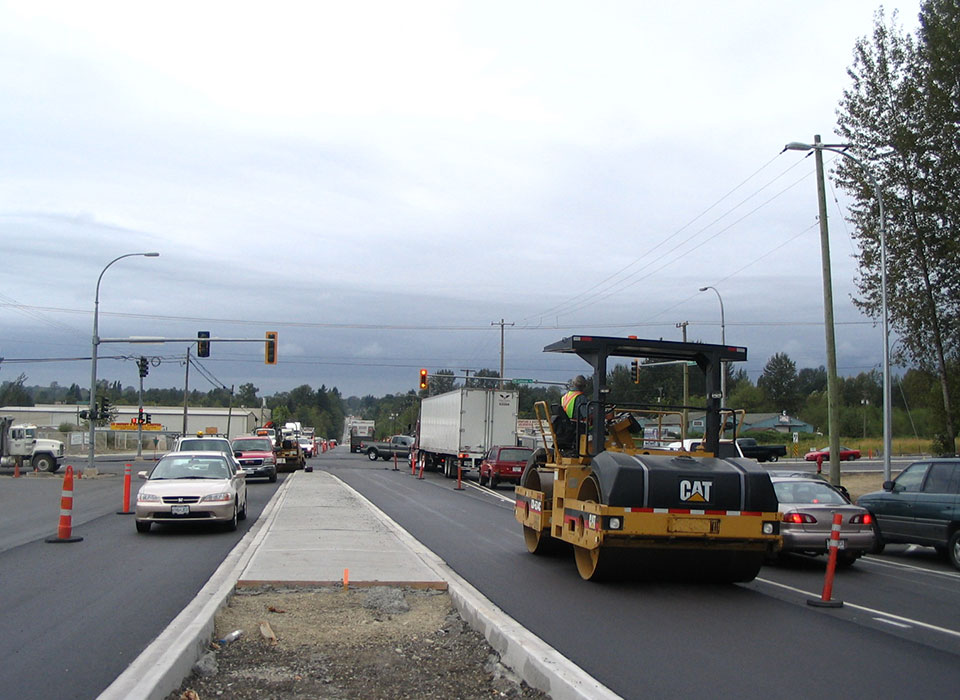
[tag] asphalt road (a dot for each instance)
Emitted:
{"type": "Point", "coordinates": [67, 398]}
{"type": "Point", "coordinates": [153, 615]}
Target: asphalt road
{"type": "Point", "coordinates": [897, 635]}
{"type": "Point", "coordinates": [73, 616]}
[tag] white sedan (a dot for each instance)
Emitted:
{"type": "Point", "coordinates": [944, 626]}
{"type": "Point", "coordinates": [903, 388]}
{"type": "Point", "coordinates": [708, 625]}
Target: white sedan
{"type": "Point", "coordinates": [192, 487]}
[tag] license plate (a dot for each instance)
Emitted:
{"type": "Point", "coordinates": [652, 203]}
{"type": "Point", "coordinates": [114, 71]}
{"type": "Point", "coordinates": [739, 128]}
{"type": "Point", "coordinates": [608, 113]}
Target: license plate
{"type": "Point", "coordinates": [180, 510]}
{"type": "Point", "coordinates": [841, 544]}
{"type": "Point", "coordinates": [693, 525]}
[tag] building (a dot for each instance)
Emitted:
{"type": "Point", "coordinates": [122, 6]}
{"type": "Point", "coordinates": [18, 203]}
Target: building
{"type": "Point", "coordinates": [164, 420]}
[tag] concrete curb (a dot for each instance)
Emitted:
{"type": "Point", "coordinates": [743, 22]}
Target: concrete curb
{"type": "Point", "coordinates": [535, 661]}
{"type": "Point", "coordinates": [162, 666]}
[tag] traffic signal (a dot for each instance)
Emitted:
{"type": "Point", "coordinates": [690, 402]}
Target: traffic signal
{"type": "Point", "coordinates": [140, 416]}
{"type": "Point", "coordinates": [84, 414]}
{"type": "Point", "coordinates": [146, 418]}
{"type": "Point", "coordinates": [423, 379]}
{"type": "Point", "coordinates": [203, 345]}
{"type": "Point", "coordinates": [142, 366]}
{"type": "Point", "coordinates": [270, 348]}
{"type": "Point", "coordinates": [105, 408]}
{"type": "Point", "coordinates": [635, 371]}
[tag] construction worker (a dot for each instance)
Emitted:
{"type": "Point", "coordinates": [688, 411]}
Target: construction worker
{"type": "Point", "coordinates": [574, 402]}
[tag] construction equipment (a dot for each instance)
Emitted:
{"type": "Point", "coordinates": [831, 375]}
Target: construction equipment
{"type": "Point", "coordinates": [629, 505]}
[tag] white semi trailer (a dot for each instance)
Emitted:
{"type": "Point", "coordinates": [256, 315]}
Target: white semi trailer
{"type": "Point", "coordinates": [459, 427]}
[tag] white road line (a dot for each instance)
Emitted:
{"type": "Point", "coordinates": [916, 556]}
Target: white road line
{"type": "Point", "coordinates": [499, 495]}
{"type": "Point", "coordinates": [892, 622]}
{"type": "Point", "coordinates": [912, 567]}
{"type": "Point", "coordinates": [890, 617]}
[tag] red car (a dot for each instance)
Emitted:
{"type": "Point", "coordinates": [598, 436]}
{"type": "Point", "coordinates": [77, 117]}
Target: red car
{"type": "Point", "coordinates": [846, 454]}
{"type": "Point", "coordinates": [256, 456]}
{"type": "Point", "coordinates": [503, 463]}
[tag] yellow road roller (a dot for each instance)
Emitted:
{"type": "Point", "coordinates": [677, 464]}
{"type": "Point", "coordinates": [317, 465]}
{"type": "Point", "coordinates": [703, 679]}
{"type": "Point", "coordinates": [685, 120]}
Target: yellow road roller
{"type": "Point", "coordinates": [608, 485]}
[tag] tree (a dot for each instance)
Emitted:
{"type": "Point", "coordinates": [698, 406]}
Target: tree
{"type": "Point", "coordinates": [902, 117]}
{"type": "Point", "coordinates": [13, 393]}
{"type": "Point", "coordinates": [440, 382]}
{"type": "Point", "coordinates": [779, 383]}
{"type": "Point", "coordinates": [247, 395]}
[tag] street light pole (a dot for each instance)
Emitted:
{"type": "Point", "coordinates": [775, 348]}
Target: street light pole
{"type": "Point", "coordinates": [887, 401]}
{"type": "Point", "coordinates": [93, 357]}
{"type": "Point", "coordinates": [723, 341]}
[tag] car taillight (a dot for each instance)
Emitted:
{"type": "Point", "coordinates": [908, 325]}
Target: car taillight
{"type": "Point", "coordinates": [798, 518]}
{"type": "Point", "coordinates": [862, 519]}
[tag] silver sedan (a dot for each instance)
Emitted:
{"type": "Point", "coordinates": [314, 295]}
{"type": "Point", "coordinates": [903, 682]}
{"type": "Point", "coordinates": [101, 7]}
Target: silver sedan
{"type": "Point", "coordinates": [192, 487]}
{"type": "Point", "coordinates": [808, 506]}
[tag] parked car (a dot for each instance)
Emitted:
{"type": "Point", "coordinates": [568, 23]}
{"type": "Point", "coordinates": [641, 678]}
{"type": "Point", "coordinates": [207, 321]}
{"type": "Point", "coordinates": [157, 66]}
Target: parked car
{"type": "Point", "coordinates": [808, 505]}
{"type": "Point", "coordinates": [192, 487]}
{"type": "Point", "coordinates": [921, 506]}
{"type": "Point", "coordinates": [256, 456]}
{"type": "Point", "coordinates": [846, 454]}
{"type": "Point", "coordinates": [503, 463]}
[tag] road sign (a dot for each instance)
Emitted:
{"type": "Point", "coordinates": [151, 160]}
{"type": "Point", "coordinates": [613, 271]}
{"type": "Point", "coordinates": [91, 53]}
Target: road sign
{"type": "Point", "coordinates": [523, 381]}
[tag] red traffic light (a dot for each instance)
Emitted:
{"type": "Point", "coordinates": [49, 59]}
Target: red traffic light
{"type": "Point", "coordinates": [423, 379]}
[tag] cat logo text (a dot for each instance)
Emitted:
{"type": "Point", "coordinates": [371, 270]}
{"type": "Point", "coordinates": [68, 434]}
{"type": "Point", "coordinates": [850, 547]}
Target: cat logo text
{"type": "Point", "coordinates": [695, 490]}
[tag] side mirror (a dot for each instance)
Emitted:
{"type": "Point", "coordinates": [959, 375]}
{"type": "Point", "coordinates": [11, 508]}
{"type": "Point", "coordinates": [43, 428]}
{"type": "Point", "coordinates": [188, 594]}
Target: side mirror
{"type": "Point", "coordinates": [888, 485]}
{"type": "Point", "coordinates": [238, 453]}
{"type": "Point", "coordinates": [143, 474]}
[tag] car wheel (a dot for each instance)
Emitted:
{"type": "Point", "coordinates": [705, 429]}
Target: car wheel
{"type": "Point", "coordinates": [232, 523]}
{"type": "Point", "coordinates": [953, 549]}
{"type": "Point", "coordinates": [372, 454]}
{"type": "Point", "coordinates": [242, 515]}
{"type": "Point", "coordinates": [143, 526]}
{"type": "Point", "coordinates": [45, 463]}
{"type": "Point", "coordinates": [494, 481]}
{"type": "Point", "coordinates": [273, 476]}
{"type": "Point", "coordinates": [847, 559]}
{"type": "Point", "coordinates": [879, 544]}
{"type": "Point", "coordinates": [774, 458]}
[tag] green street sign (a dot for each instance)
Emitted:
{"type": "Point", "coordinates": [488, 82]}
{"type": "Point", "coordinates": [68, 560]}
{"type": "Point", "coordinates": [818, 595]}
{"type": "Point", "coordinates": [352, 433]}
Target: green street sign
{"type": "Point", "coordinates": [523, 381]}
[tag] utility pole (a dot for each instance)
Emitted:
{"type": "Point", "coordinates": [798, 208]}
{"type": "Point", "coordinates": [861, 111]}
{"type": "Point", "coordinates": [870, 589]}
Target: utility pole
{"type": "Point", "coordinates": [501, 324]}
{"type": "Point", "coordinates": [229, 411]}
{"type": "Point", "coordinates": [686, 385]}
{"type": "Point", "coordinates": [186, 391]}
{"type": "Point", "coordinates": [833, 398]}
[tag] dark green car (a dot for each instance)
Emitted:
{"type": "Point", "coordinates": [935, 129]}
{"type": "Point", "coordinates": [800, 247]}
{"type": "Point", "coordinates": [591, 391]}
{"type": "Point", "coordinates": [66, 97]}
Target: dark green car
{"type": "Point", "coordinates": [920, 506]}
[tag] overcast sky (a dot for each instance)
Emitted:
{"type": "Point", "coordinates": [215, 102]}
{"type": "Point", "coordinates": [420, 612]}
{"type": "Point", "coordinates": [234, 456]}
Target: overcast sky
{"type": "Point", "coordinates": [379, 182]}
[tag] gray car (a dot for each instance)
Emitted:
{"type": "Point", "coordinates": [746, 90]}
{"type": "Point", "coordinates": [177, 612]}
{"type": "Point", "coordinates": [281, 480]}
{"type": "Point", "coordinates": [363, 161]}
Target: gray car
{"type": "Point", "coordinates": [921, 506]}
{"type": "Point", "coordinates": [808, 506]}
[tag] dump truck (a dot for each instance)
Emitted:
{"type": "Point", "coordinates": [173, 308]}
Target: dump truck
{"type": "Point", "coordinates": [457, 428]}
{"type": "Point", "coordinates": [627, 506]}
{"type": "Point", "coordinates": [20, 443]}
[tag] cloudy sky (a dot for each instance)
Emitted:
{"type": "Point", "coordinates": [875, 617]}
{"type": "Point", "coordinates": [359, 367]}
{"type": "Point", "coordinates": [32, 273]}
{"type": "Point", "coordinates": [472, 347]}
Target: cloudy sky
{"type": "Point", "coordinates": [381, 183]}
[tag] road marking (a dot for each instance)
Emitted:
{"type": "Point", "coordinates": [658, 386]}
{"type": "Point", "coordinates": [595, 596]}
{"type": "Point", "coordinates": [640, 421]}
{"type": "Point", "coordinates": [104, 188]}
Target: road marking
{"type": "Point", "coordinates": [889, 617]}
{"type": "Point", "coordinates": [892, 622]}
{"type": "Point", "coordinates": [913, 567]}
{"type": "Point", "coordinates": [508, 499]}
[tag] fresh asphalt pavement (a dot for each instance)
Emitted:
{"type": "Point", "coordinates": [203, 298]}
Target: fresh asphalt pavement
{"type": "Point", "coordinates": [75, 615]}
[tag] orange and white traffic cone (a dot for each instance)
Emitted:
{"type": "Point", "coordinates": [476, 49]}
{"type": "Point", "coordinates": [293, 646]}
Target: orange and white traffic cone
{"type": "Point", "coordinates": [66, 511]}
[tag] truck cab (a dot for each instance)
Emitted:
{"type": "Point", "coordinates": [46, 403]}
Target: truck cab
{"type": "Point", "coordinates": [23, 442]}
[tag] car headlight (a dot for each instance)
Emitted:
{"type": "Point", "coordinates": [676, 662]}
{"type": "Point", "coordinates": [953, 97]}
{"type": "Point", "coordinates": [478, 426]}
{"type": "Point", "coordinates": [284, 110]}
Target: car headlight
{"type": "Point", "coordinates": [148, 497]}
{"type": "Point", "coordinates": [217, 497]}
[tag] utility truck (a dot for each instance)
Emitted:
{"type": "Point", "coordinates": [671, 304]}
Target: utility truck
{"type": "Point", "coordinates": [20, 442]}
{"type": "Point", "coordinates": [456, 429]}
{"type": "Point", "coordinates": [625, 505]}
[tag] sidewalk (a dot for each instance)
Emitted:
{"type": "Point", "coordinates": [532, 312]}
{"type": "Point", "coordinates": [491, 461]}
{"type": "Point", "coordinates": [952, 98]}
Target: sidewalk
{"type": "Point", "coordinates": [314, 528]}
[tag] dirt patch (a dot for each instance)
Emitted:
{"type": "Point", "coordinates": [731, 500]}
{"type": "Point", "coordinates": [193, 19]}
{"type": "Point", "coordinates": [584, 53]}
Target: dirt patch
{"type": "Point", "coordinates": [859, 484]}
{"type": "Point", "coordinates": [359, 643]}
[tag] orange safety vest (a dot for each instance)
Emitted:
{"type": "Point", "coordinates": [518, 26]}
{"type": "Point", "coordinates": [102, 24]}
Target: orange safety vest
{"type": "Point", "coordinates": [569, 401]}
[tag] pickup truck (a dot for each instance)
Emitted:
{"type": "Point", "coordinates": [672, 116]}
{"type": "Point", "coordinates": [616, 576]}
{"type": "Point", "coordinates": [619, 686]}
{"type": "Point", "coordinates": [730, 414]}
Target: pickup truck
{"type": "Point", "coordinates": [751, 449]}
{"type": "Point", "coordinates": [398, 445]}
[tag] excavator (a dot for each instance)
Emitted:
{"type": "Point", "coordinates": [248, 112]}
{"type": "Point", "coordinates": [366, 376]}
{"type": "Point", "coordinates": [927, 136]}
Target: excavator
{"type": "Point", "coordinates": [608, 486]}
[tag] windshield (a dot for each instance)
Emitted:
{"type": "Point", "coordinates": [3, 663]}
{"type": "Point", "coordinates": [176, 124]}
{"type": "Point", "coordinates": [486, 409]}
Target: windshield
{"type": "Point", "coordinates": [515, 455]}
{"type": "Point", "coordinates": [201, 445]}
{"type": "Point", "coordinates": [261, 445]}
{"type": "Point", "coordinates": [191, 468]}
{"type": "Point", "coordinates": [807, 492]}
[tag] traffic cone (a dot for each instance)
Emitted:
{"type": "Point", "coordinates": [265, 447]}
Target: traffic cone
{"type": "Point", "coordinates": [66, 511]}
